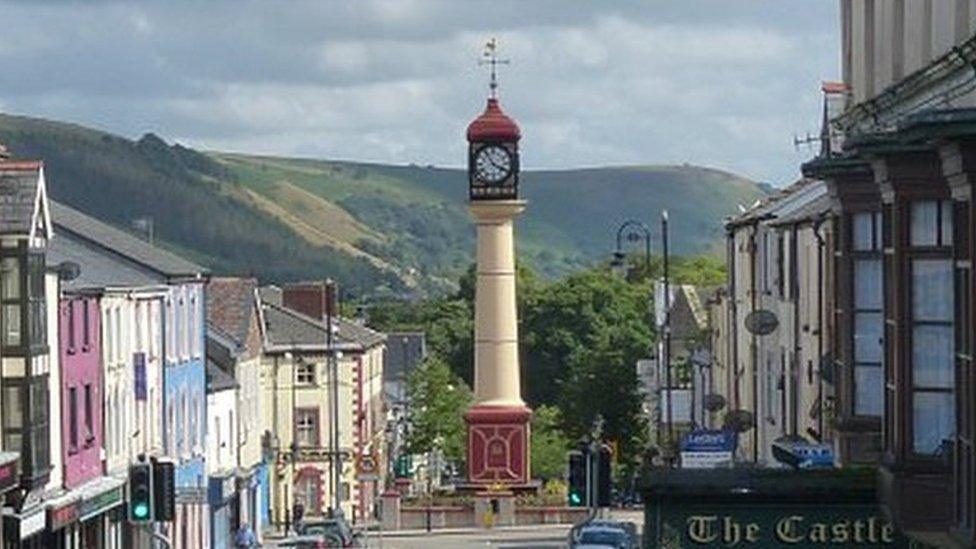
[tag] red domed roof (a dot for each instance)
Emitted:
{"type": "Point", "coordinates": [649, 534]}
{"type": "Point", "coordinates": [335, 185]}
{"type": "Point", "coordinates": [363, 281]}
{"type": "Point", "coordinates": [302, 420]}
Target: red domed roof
{"type": "Point", "coordinates": [493, 125]}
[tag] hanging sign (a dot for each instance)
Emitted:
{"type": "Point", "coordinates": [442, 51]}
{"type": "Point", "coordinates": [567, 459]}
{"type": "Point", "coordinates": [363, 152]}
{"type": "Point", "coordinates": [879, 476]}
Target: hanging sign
{"type": "Point", "coordinates": [139, 366]}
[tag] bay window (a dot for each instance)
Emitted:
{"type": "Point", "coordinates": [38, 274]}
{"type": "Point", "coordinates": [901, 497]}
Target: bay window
{"type": "Point", "coordinates": [10, 298]}
{"type": "Point", "coordinates": [24, 351]}
{"type": "Point", "coordinates": [932, 345]}
{"type": "Point", "coordinates": [868, 313]}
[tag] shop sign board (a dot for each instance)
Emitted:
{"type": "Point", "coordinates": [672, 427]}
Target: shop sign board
{"type": "Point", "coordinates": [102, 502]}
{"type": "Point", "coordinates": [222, 489]}
{"type": "Point", "coordinates": [8, 475]}
{"type": "Point", "coordinates": [766, 508]}
{"type": "Point", "coordinates": [32, 523]}
{"type": "Point", "coordinates": [776, 525]}
{"type": "Point", "coordinates": [59, 517]}
{"type": "Point", "coordinates": [707, 449]}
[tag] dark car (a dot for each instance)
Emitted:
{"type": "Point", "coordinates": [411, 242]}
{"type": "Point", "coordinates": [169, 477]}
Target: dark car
{"type": "Point", "coordinates": [594, 537]}
{"type": "Point", "coordinates": [604, 533]}
{"type": "Point", "coordinates": [331, 529]}
{"type": "Point", "coordinates": [310, 542]}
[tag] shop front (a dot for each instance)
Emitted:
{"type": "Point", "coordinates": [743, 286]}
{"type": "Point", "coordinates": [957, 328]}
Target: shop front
{"type": "Point", "coordinates": [249, 501]}
{"type": "Point", "coordinates": [223, 501]}
{"type": "Point", "coordinates": [83, 517]}
{"type": "Point", "coordinates": [25, 528]}
{"type": "Point", "coordinates": [101, 514]}
{"type": "Point", "coordinates": [62, 523]}
{"type": "Point", "coordinates": [8, 481]}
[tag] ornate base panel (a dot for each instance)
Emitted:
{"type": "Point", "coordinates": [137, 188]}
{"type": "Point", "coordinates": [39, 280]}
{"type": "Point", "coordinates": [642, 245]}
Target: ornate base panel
{"type": "Point", "coordinates": [498, 445]}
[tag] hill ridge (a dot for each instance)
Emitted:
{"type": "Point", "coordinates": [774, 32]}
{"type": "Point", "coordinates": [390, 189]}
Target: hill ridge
{"type": "Point", "coordinates": [380, 229]}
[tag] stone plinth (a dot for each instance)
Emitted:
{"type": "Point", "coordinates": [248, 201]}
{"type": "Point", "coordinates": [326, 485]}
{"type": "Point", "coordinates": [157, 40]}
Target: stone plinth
{"type": "Point", "coordinates": [494, 509]}
{"type": "Point", "coordinates": [498, 445]}
{"type": "Point", "coordinates": [390, 510]}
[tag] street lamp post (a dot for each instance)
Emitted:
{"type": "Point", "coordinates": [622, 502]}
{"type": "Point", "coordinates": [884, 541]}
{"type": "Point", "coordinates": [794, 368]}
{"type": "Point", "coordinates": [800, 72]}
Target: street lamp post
{"type": "Point", "coordinates": [637, 231]}
{"type": "Point", "coordinates": [667, 324]}
{"type": "Point", "coordinates": [336, 458]}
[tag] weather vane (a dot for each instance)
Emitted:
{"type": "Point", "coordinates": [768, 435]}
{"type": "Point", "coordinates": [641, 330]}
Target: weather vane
{"type": "Point", "coordinates": [490, 58]}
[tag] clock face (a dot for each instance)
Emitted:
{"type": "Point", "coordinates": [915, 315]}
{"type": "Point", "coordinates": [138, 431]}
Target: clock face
{"type": "Point", "coordinates": [493, 164]}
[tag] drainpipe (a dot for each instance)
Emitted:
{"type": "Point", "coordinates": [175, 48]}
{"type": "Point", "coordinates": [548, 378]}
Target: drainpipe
{"type": "Point", "coordinates": [732, 327]}
{"type": "Point", "coordinates": [794, 276]}
{"type": "Point", "coordinates": [821, 244]}
{"type": "Point", "coordinates": [754, 342]}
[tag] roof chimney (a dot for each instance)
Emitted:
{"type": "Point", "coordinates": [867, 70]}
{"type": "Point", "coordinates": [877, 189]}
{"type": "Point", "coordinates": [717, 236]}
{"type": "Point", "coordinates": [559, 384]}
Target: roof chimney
{"type": "Point", "coordinates": [314, 299]}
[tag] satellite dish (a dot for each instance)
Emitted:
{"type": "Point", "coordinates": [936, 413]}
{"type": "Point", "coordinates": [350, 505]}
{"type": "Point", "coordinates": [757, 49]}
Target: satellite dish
{"type": "Point", "coordinates": [761, 322]}
{"type": "Point", "coordinates": [68, 270]}
{"type": "Point", "coordinates": [701, 358]}
{"type": "Point", "coordinates": [739, 421]}
{"type": "Point", "coordinates": [714, 402]}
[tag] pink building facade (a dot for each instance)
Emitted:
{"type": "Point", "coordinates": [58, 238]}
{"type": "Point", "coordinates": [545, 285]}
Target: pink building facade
{"type": "Point", "coordinates": [81, 398]}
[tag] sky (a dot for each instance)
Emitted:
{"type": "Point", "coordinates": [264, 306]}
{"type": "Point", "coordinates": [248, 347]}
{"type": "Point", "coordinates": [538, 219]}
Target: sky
{"type": "Point", "coordinates": [719, 83]}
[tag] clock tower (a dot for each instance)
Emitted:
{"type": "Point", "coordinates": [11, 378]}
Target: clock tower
{"type": "Point", "coordinates": [498, 421]}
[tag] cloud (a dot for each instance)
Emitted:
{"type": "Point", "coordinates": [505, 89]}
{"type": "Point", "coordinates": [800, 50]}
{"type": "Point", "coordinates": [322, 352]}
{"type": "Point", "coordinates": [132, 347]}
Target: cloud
{"type": "Point", "coordinates": [719, 83]}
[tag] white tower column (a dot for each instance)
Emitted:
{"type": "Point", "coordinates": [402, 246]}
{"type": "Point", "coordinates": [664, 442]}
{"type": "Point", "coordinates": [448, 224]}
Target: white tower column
{"type": "Point", "coordinates": [496, 356]}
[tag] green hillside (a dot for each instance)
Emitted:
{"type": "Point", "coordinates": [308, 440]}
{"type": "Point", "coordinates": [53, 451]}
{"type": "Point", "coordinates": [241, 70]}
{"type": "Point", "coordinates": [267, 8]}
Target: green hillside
{"type": "Point", "coordinates": [376, 228]}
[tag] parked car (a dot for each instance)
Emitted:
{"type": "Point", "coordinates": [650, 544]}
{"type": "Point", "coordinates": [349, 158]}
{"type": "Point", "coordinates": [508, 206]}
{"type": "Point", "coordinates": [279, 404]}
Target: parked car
{"type": "Point", "coordinates": [604, 533]}
{"type": "Point", "coordinates": [601, 537]}
{"type": "Point", "coordinates": [310, 542]}
{"type": "Point", "coordinates": [332, 529]}
{"type": "Point", "coordinates": [628, 527]}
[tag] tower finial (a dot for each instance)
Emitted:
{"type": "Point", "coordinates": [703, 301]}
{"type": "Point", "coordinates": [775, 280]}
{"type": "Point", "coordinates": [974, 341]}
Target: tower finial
{"type": "Point", "coordinates": [490, 58]}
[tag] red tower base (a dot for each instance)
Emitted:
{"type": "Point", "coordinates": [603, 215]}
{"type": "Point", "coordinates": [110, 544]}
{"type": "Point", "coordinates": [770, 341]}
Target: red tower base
{"type": "Point", "coordinates": [498, 446]}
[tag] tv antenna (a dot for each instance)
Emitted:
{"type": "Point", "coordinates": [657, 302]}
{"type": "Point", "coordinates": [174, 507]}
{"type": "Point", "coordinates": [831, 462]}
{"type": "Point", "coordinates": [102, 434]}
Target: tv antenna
{"type": "Point", "coordinates": [806, 141]}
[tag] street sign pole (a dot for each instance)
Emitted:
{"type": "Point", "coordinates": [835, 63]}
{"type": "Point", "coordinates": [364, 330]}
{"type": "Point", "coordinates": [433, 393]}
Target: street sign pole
{"type": "Point", "coordinates": [151, 530]}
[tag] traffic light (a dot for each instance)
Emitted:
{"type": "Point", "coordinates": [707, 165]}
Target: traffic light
{"type": "Point", "coordinates": [404, 465]}
{"type": "Point", "coordinates": [603, 480]}
{"type": "Point", "coordinates": [164, 490]}
{"type": "Point", "coordinates": [577, 479]}
{"type": "Point", "coordinates": [140, 493]}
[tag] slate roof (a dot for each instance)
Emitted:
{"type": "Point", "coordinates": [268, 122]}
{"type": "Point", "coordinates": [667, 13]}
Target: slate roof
{"type": "Point", "coordinates": [287, 328]}
{"type": "Point", "coordinates": [782, 202]}
{"type": "Point", "coordinates": [230, 305]}
{"type": "Point", "coordinates": [100, 268]}
{"type": "Point", "coordinates": [270, 294]}
{"type": "Point", "coordinates": [687, 315]}
{"type": "Point", "coordinates": [18, 192]}
{"type": "Point", "coordinates": [97, 233]}
{"type": "Point", "coordinates": [218, 379]}
{"type": "Point", "coordinates": [805, 212]}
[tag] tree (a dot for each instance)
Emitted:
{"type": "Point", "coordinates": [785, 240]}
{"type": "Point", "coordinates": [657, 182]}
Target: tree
{"type": "Point", "coordinates": [577, 313]}
{"type": "Point", "coordinates": [549, 444]}
{"type": "Point", "coordinates": [603, 381]}
{"type": "Point", "coordinates": [438, 399]}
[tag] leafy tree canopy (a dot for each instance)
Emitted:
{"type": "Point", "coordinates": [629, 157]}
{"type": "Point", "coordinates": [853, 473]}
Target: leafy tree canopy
{"type": "Point", "coordinates": [549, 443]}
{"type": "Point", "coordinates": [438, 401]}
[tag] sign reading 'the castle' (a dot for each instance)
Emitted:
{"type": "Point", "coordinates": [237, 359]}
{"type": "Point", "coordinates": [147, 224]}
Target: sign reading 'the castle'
{"type": "Point", "coordinates": [775, 526]}
{"type": "Point", "coordinates": [792, 530]}
{"type": "Point", "coordinates": [765, 508]}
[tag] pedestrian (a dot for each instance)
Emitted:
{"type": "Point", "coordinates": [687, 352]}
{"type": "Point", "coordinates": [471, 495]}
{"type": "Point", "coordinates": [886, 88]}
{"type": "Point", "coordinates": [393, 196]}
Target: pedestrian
{"type": "Point", "coordinates": [244, 539]}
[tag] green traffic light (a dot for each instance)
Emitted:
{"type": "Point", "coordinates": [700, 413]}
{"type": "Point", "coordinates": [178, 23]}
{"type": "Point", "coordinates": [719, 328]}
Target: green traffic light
{"type": "Point", "coordinates": [575, 499]}
{"type": "Point", "coordinates": [140, 511]}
